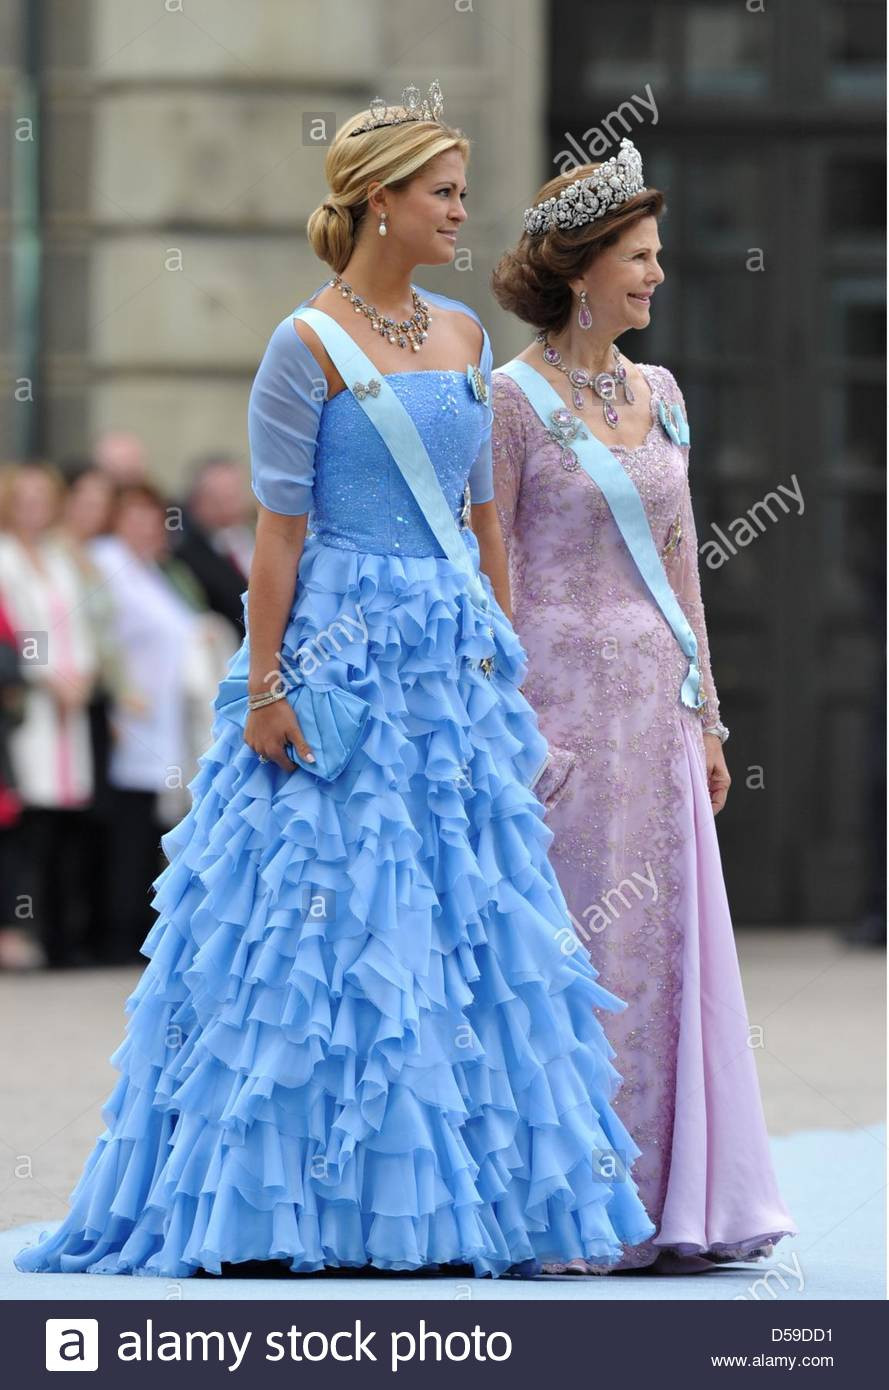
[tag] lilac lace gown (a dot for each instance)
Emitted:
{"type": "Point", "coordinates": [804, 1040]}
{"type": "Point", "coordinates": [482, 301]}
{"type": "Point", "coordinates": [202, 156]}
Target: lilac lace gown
{"type": "Point", "coordinates": [635, 847]}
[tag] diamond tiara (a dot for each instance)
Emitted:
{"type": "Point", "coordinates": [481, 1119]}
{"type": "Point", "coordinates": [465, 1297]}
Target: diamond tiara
{"type": "Point", "coordinates": [616, 180]}
{"type": "Point", "coordinates": [429, 109]}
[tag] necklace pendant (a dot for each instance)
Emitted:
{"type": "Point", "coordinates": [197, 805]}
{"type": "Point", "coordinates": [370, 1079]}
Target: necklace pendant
{"type": "Point", "coordinates": [629, 394]}
{"type": "Point", "coordinates": [577, 397]}
{"type": "Point", "coordinates": [611, 415]}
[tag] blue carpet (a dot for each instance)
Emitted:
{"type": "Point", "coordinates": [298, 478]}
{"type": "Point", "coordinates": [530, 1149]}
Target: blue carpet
{"type": "Point", "coordinates": [833, 1181]}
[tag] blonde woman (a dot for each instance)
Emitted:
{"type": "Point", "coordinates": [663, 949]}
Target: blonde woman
{"type": "Point", "coordinates": [360, 1041]}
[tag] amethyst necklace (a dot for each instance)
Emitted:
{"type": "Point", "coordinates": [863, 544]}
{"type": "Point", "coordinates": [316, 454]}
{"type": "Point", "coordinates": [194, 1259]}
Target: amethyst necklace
{"type": "Point", "coordinates": [603, 384]}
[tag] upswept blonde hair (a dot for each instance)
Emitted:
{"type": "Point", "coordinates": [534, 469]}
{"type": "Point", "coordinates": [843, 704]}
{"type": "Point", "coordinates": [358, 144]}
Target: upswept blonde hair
{"type": "Point", "coordinates": [391, 155]}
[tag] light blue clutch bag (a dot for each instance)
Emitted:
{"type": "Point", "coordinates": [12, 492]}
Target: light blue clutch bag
{"type": "Point", "coordinates": [331, 720]}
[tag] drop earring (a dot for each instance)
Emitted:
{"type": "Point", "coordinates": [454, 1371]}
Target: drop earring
{"type": "Point", "coordinates": [584, 317]}
{"type": "Point", "coordinates": [382, 229]}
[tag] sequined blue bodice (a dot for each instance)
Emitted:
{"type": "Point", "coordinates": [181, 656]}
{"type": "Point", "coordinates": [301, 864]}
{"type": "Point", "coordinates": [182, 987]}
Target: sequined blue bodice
{"type": "Point", "coordinates": [360, 499]}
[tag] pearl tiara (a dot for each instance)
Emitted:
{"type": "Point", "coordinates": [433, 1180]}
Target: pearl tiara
{"type": "Point", "coordinates": [429, 109]}
{"type": "Point", "coordinates": [616, 180]}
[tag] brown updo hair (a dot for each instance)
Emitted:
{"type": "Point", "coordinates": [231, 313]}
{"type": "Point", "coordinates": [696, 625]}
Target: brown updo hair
{"type": "Point", "coordinates": [391, 155]}
{"type": "Point", "coordinates": [533, 280]}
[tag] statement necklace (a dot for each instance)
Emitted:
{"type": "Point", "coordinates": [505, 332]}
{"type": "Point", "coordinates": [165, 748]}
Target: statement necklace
{"type": "Point", "coordinates": [603, 384]}
{"type": "Point", "coordinates": [413, 330]}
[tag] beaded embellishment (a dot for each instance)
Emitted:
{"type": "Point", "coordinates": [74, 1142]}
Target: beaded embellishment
{"type": "Point", "coordinates": [565, 428]}
{"type": "Point", "coordinates": [359, 390]}
{"type": "Point", "coordinates": [466, 508]}
{"type": "Point", "coordinates": [477, 383]}
{"type": "Point", "coordinates": [674, 536]}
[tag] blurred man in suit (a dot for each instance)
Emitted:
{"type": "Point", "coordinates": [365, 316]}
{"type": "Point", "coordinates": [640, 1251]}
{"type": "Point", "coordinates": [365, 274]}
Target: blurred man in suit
{"type": "Point", "coordinates": [216, 536]}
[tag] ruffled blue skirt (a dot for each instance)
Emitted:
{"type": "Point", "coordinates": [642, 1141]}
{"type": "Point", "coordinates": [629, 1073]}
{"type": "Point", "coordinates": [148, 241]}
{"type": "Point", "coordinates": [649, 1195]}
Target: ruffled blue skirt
{"type": "Point", "coordinates": [365, 1035]}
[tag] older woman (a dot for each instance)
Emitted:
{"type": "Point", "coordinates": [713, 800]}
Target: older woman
{"type": "Point", "coordinates": [590, 473]}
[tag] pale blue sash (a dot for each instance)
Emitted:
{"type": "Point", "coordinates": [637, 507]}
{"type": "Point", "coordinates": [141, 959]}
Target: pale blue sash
{"type": "Point", "coordinates": [380, 403]}
{"type": "Point", "coordinates": [626, 506]}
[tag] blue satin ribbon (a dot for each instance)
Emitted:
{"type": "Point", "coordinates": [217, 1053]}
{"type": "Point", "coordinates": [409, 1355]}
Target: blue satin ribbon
{"type": "Point", "coordinates": [619, 491]}
{"type": "Point", "coordinates": [399, 433]}
{"type": "Point", "coordinates": [675, 423]}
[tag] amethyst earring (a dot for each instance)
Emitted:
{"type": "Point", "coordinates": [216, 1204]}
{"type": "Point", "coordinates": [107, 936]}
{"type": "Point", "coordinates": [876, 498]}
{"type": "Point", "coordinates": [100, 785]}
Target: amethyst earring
{"type": "Point", "coordinates": [584, 317]}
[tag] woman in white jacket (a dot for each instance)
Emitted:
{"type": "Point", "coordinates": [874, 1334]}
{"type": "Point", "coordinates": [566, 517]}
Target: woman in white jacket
{"type": "Point", "coordinates": [45, 596]}
{"type": "Point", "coordinates": [170, 661]}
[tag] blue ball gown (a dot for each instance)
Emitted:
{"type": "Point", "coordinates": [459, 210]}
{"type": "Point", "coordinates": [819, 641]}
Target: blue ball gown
{"type": "Point", "coordinates": [363, 1035]}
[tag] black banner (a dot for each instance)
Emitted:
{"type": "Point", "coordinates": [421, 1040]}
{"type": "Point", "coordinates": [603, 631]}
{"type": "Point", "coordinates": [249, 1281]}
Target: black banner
{"type": "Point", "coordinates": [477, 1341]}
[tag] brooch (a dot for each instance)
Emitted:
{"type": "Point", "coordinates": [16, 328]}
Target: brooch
{"type": "Point", "coordinates": [477, 384]}
{"type": "Point", "coordinates": [486, 664]}
{"type": "Point", "coordinates": [674, 536]}
{"type": "Point", "coordinates": [359, 390]}
{"type": "Point", "coordinates": [565, 428]}
{"type": "Point", "coordinates": [674, 423]}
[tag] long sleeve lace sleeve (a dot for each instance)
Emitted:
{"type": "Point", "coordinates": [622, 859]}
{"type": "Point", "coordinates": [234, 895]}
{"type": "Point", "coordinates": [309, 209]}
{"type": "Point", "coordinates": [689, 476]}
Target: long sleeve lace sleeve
{"type": "Point", "coordinates": [683, 571]}
{"type": "Point", "coordinates": [508, 451]}
{"type": "Point", "coordinates": [283, 414]}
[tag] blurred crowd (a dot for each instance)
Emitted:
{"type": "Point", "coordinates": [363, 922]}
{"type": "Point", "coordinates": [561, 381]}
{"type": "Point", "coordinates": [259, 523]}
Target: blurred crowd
{"type": "Point", "coordinates": [120, 608]}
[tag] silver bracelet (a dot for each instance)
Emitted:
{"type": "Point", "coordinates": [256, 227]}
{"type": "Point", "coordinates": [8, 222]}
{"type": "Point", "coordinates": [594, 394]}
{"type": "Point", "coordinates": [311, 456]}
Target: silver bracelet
{"type": "Point", "coordinates": [265, 698]}
{"type": "Point", "coordinates": [719, 730]}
